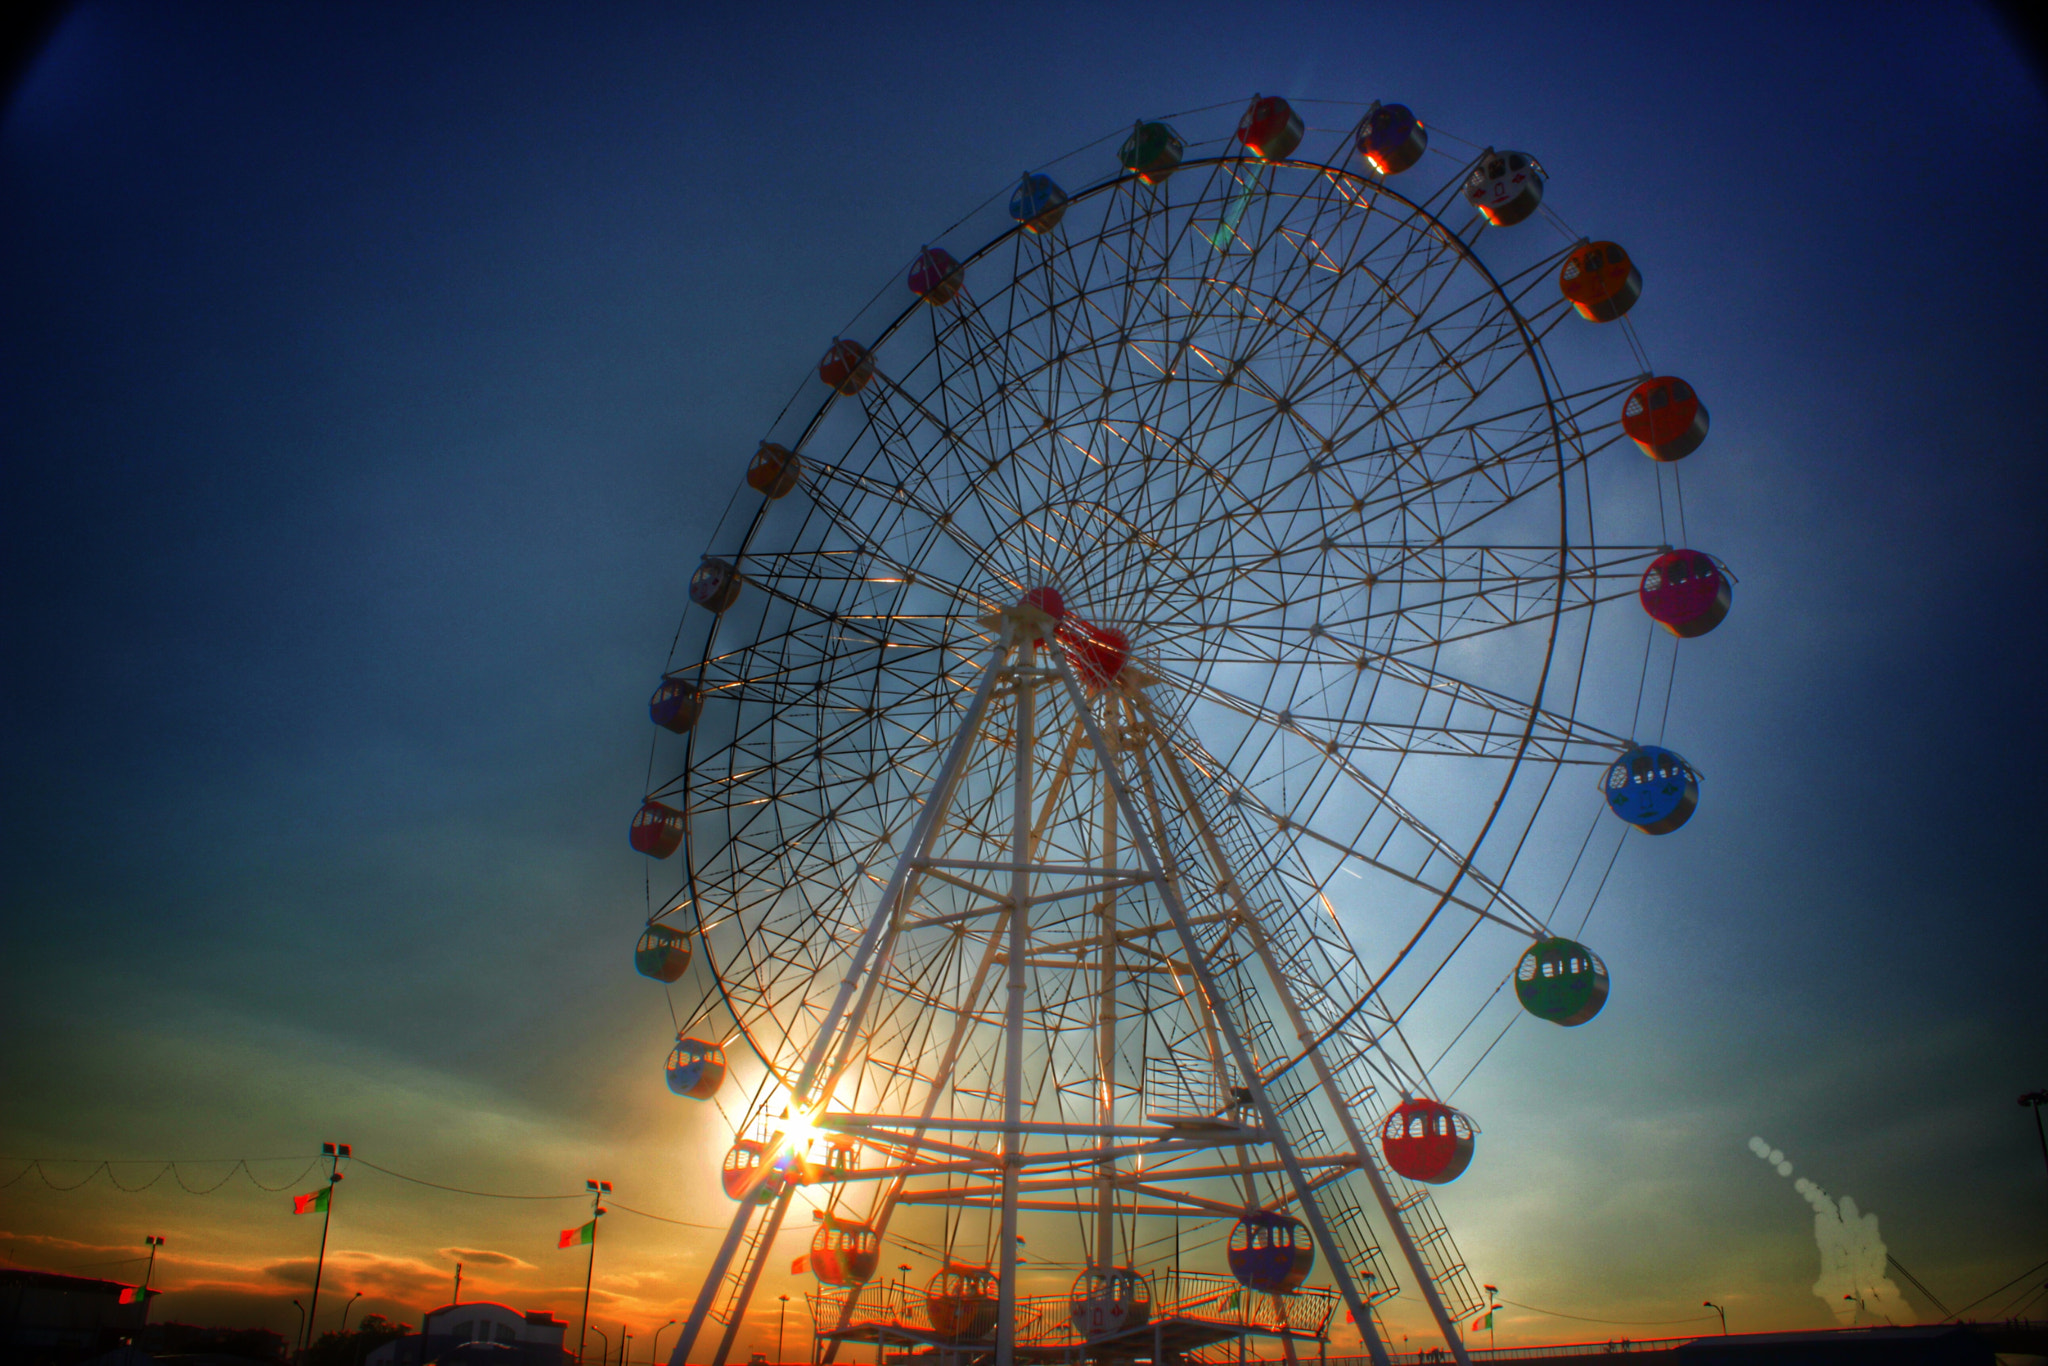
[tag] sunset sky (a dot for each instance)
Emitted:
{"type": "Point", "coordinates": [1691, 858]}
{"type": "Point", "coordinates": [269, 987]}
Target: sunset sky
{"type": "Point", "coordinates": [364, 371]}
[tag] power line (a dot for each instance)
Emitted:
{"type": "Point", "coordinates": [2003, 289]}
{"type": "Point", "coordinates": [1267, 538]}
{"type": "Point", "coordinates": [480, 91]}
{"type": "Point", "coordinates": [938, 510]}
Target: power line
{"type": "Point", "coordinates": [464, 1190]}
{"type": "Point", "coordinates": [1623, 1323]}
{"type": "Point", "coordinates": [2000, 1291]}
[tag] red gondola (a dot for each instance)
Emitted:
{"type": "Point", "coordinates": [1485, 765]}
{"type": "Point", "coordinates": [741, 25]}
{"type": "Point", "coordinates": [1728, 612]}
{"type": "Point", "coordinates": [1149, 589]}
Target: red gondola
{"type": "Point", "coordinates": [657, 829]}
{"type": "Point", "coordinates": [742, 1173]}
{"type": "Point", "coordinates": [1666, 418]}
{"type": "Point", "coordinates": [1425, 1140]}
{"type": "Point", "coordinates": [1601, 281]}
{"type": "Point", "coordinates": [937, 277]}
{"type": "Point", "coordinates": [961, 1301]}
{"type": "Point", "coordinates": [847, 366]}
{"type": "Point", "coordinates": [845, 1253]}
{"type": "Point", "coordinates": [1686, 593]}
{"type": "Point", "coordinates": [1270, 128]}
{"type": "Point", "coordinates": [774, 470]}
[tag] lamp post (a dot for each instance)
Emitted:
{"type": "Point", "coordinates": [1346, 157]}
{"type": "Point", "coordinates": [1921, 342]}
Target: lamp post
{"type": "Point", "coordinates": [598, 1191]}
{"type": "Point", "coordinates": [1709, 1304]}
{"type": "Point", "coordinates": [344, 1311]}
{"type": "Point", "coordinates": [624, 1338]}
{"type": "Point", "coordinates": [781, 1314]}
{"type": "Point", "coordinates": [654, 1350]}
{"type": "Point", "coordinates": [607, 1348]}
{"type": "Point", "coordinates": [302, 1320]}
{"type": "Point", "coordinates": [903, 1288]}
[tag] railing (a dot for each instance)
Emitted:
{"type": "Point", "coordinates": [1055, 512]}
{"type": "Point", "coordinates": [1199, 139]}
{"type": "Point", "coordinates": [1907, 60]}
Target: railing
{"type": "Point", "coordinates": [1047, 1320]}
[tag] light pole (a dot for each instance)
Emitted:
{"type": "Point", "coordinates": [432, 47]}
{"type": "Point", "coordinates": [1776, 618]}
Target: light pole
{"type": "Point", "coordinates": [607, 1348]}
{"type": "Point", "coordinates": [624, 1338]}
{"type": "Point", "coordinates": [302, 1319]}
{"type": "Point", "coordinates": [2037, 1099]}
{"type": "Point", "coordinates": [1492, 1294]}
{"type": "Point", "coordinates": [654, 1351]}
{"type": "Point", "coordinates": [1709, 1304]}
{"type": "Point", "coordinates": [903, 1287]}
{"type": "Point", "coordinates": [781, 1314]}
{"type": "Point", "coordinates": [344, 1311]}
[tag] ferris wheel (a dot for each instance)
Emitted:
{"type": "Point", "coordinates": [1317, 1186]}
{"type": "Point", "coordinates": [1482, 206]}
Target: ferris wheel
{"type": "Point", "coordinates": [1126, 701]}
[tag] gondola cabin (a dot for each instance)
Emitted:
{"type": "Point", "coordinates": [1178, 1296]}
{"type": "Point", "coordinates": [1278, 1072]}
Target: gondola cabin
{"type": "Point", "coordinates": [1111, 1301]}
{"type": "Point", "coordinates": [1153, 150]}
{"type": "Point", "coordinates": [1686, 593]}
{"type": "Point", "coordinates": [696, 1068]}
{"type": "Point", "coordinates": [1392, 139]}
{"type": "Point", "coordinates": [1097, 653]}
{"type": "Point", "coordinates": [676, 705]}
{"type": "Point", "coordinates": [1600, 281]}
{"type": "Point", "coordinates": [1270, 128]}
{"type": "Point", "coordinates": [1506, 187]}
{"type": "Point", "coordinates": [1665, 417]}
{"type": "Point", "coordinates": [774, 470]}
{"type": "Point", "coordinates": [1561, 981]}
{"type": "Point", "coordinates": [1652, 789]}
{"type": "Point", "coordinates": [1270, 1252]}
{"type": "Point", "coordinates": [1425, 1140]}
{"type": "Point", "coordinates": [961, 1301]}
{"type": "Point", "coordinates": [847, 366]}
{"type": "Point", "coordinates": [1038, 204]}
{"type": "Point", "coordinates": [657, 829]}
{"type": "Point", "coordinates": [663, 953]}
{"type": "Point", "coordinates": [937, 277]}
{"type": "Point", "coordinates": [743, 1171]}
{"type": "Point", "coordinates": [845, 1253]}
{"type": "Point", "coordinates": [716, 584]}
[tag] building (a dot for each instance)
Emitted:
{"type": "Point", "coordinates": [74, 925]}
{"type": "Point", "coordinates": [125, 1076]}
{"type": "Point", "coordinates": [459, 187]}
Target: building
{"type": "Point", "coordinates": [47, 1319]}
{"type": "Point", "coordinates": [515, 1338]}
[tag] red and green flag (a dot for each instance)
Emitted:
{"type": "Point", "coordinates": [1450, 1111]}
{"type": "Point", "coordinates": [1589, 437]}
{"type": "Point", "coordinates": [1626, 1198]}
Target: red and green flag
{"type": "Point", "coordinates": [135, 1294]}
{"type": "Point", "coordinates": [575, 1237]}
{"type": "Point", "coordinates": [313, 1202]}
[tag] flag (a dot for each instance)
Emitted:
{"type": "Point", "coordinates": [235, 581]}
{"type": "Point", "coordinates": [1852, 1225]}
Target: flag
{"type": "Point", "coordinates": [313, 1202]}
{"type": "Point", "coordinates": [135, 1294]}
{"type": "Point", "coordinates": [575, 1237]}
{"type": "Point", "coordinates": [800, 1265]}
{"type": "Point", "coordinates": [1231, 1303]}
{"type": "Point", "coordinates": [1483, 1321]}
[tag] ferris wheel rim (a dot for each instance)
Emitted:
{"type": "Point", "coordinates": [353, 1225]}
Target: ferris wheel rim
{"type": "Point", "coordinates": [1529, 353]}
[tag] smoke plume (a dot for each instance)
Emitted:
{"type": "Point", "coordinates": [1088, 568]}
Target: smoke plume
{"type": "Point", "coordinates": [1852, 1280]}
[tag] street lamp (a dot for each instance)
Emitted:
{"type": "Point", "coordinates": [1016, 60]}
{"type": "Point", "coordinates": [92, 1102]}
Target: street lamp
{"type": "Point", "coordinates": [1709, 1304]}
{"type": "Point", "coordinates": [301, 1338]}
{"type": "Point", "coordinates": [781, 1313]}
{"type": "Point", "coordinates": [344, 1311]}
{"type": "Point", "coordinates": [903, 1287]}
{"type": "Point", "coordinates": [607, 1346]}
{"type": "Point", "coordinates": [654, 1350]}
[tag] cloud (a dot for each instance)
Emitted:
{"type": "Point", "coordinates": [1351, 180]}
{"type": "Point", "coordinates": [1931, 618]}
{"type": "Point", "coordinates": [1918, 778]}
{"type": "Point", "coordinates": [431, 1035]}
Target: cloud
{"type": "Point", "coordinates": [480, 1256]}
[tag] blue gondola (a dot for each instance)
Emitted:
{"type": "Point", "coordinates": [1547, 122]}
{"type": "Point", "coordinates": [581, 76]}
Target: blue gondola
{"type": "Point", "coordinates": [1038, 203]}
{"type": "Point", "coordinates": [1270, 1252]}
{"type": "Point", "coordinates": [696, 1067]}
{"type": "Point", "coordinates": [1652, 789]}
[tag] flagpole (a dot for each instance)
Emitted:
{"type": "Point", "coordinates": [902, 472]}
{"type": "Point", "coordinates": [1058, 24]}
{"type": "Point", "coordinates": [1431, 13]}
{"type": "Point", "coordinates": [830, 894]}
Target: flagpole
{"type": "Point", "coordinates": [333, 1153]}
{"type": "Point", "coordinates": [597, 1190]}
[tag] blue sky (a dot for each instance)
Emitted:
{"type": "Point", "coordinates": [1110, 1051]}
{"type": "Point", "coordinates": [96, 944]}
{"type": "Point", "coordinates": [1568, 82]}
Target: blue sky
{"type": "Point", "coordinates": [366, 366]}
